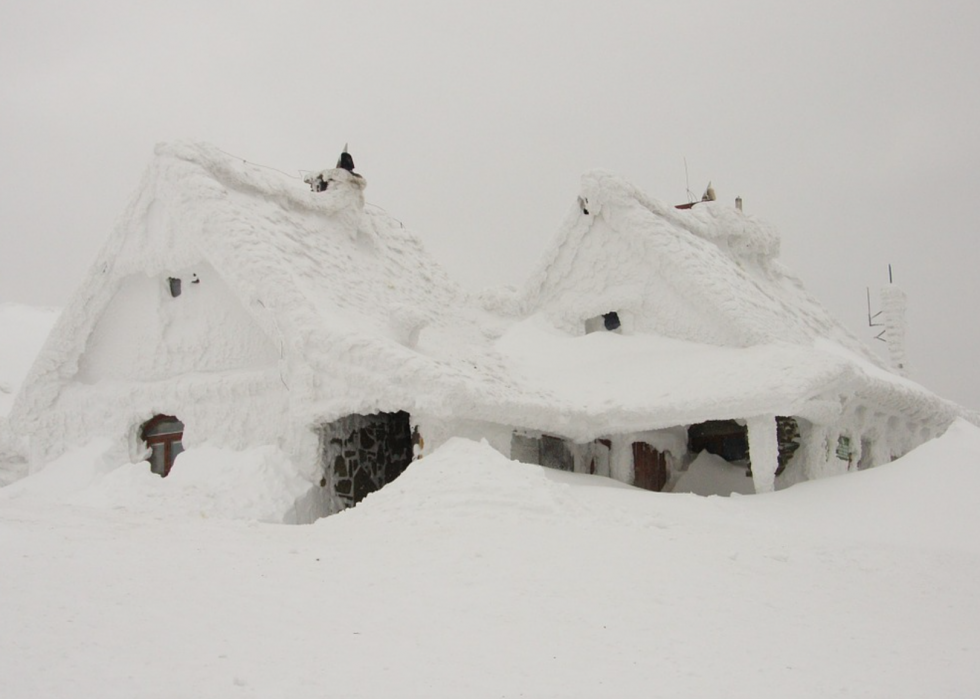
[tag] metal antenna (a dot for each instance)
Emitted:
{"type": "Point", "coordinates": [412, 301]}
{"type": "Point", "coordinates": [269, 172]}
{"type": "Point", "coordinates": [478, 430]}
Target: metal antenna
{"type": "Point", "coordinates": [871, 318]}
{"type": "Point", "coordinates": [687, 182]}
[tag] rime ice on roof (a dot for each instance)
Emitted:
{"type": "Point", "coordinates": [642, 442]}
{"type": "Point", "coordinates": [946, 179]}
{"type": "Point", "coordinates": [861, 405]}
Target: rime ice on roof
{"type": "Point", "coordinates": [301, 308]}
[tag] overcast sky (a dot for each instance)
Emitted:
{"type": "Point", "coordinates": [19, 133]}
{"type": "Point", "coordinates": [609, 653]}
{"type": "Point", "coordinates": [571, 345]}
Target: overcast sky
{"type": "Point", "coordinates": [852, 126]}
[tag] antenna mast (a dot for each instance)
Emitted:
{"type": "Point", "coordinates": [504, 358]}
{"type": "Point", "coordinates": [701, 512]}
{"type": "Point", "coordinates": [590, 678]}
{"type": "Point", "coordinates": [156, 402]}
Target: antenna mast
{"type": "Point", "coordinates": [687, 182]}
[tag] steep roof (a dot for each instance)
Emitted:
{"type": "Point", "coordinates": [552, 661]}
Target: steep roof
{"type": "Point", "coordinates": [324, 276]}
{"type": "Point", "coordinates": [706, 274]}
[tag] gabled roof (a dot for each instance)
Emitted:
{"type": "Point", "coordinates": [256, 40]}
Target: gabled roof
{"type": "Point", "coordinates": [326, 278]}
{"type": "Point", "coordinates": [708, 274]}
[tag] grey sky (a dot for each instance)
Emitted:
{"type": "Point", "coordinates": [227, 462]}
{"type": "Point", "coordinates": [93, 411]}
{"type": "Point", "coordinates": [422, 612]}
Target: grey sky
{"type": "Point", "coordinates": [852, 126]}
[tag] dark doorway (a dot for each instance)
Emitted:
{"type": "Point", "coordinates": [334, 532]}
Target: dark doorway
{"type": "Point", "coordinates": [163, 435]}
{"type": "Point", "coordinates": [649, 467]}
{"type": "Point", "coordinates": [724, 438]}
{"type": "Point", "coordinates": [363, 453]}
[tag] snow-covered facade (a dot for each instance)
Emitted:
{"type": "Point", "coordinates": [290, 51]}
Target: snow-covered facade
{"type": "Point", "coordinates": [249, 312]}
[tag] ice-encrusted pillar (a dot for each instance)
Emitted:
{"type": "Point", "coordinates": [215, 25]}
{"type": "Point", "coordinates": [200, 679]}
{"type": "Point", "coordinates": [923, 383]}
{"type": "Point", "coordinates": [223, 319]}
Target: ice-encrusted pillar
{"type": "Point", "coordinates": [763, 452]}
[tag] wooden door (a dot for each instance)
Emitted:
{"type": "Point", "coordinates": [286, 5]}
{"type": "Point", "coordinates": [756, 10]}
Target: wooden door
{"type": "Point", "coordinates": [649, 467]}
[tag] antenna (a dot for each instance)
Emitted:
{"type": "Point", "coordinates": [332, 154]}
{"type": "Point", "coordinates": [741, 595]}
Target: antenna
{"type": "Point", "coordinates": [687, 183]}
{"type": "Point", "coordinates": [871, 318]}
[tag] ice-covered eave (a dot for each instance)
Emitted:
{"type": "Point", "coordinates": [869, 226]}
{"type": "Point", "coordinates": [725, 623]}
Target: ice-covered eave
{"type": "Point", "coordinates": [586, 423]}
{"type": "Point", "coordinates": [894, 394]}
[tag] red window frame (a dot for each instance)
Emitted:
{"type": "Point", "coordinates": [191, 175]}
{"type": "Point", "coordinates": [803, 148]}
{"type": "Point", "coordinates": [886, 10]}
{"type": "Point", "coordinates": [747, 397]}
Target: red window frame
{"type": "Point", "coordinates": [165, 440]}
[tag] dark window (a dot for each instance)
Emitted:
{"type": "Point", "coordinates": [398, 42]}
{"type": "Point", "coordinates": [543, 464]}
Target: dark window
{"type": "Point", "coordinates": [725, 438]}
{"type": "Point", "coordinates": [174, 286]}
{"type": "Point", "coordinates": [611, 320]}
{"type": "Point", "coordinates": [163, 436]}
{"type": "Point", "coordinates": [545, 450]}
{"type": "Point", "coordinates": [554, 454]}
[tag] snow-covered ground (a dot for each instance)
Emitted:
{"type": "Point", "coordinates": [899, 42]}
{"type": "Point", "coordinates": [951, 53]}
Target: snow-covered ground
{"type": "Point", "coordinates": [474, 576]}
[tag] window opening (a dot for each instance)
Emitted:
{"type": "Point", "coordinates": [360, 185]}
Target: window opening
{"type": "Point", "coordinates": [174, 283]}
{"type": "Point", "coordinates": [607, 322]}
{"type": "Point", "coordinates": [163, 435]}
{"type": "Point", "coordinates": [724, 438]}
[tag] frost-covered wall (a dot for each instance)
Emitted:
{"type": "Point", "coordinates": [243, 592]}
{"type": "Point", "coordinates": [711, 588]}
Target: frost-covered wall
{"type": "Point", "coordinates": [147, 334]}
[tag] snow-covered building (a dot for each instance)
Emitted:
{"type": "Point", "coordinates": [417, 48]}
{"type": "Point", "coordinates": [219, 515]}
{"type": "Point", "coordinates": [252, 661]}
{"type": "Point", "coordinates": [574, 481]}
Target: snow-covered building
{"type": "Point", "coordinates": [234, 308]}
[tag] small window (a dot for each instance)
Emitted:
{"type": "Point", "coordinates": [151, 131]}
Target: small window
{"type": "Point", "coordinates": [163, 435]}
{"type": "Point", "coordinates": [174, 283]}
{"type": "Point", "coordinates": [607, 322]}
{"type": "Point", "coordinates": [548, 451]}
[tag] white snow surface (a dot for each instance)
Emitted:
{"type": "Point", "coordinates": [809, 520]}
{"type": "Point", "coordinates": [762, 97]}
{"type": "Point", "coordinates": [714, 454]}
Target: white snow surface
{"type": "Point", "coordinates": [207, 482]}
{"type": "Point", "coordinates": [23, 330]}
{"type": "Point", "coordinates": [474, 576]}
{"type": "Point", "coordinates": [712, 475]}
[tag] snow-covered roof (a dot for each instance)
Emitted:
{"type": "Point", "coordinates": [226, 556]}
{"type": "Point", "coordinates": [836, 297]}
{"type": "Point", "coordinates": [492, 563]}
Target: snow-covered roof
{"type": "Point", "coordinates": [707, 274]}
{"type": "Point", "coordinates": [367, 321]}
{"type": "Point", "coordinates": [341, 289]}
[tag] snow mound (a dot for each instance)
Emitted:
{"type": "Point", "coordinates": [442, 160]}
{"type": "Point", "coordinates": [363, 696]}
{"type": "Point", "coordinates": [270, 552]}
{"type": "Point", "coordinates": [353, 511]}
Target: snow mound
{"type": "Point", "coordinates": [910, 501]}
{"type": "Point", "coordinates": [206, 482]}
{"type": "Point", "coordinates": [463, 478]}
{"type": "Point", "coordinates": [712, 475]}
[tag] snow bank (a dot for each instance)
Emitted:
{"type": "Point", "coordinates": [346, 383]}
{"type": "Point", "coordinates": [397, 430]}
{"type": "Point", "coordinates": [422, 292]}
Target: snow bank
{"type": "Point", "coordinates": [467, 479]}
{"type": "Point", "coordinates": [205, 482]}
{"type": "Point", "coordinates": [930, 497]}
{"type": "Point", "coordinates": [712, 475]}
{"type": "Point", "coordinates": [23, 330]}
{"type": "Point", "coordinates": [578, 586]}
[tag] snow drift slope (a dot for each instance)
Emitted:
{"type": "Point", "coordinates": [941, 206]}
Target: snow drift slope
{"type": "Point", "coordinates": [23, 330]}
{"type": "Point", "coordinates": [474, 576]}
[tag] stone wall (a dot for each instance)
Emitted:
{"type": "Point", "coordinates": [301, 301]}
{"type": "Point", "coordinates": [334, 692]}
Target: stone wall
{"type": "Point", "coordinates": [362, 453]}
